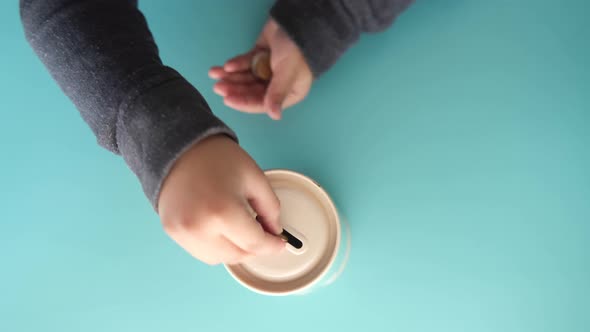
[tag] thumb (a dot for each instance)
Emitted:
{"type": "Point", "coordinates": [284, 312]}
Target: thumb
{"type": "Point", "coordinates": [277, 91]}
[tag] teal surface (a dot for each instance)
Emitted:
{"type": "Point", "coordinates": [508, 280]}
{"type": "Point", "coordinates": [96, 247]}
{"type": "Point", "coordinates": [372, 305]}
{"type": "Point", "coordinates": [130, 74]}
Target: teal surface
{"type": "Point", "coordinates": [456, 144]}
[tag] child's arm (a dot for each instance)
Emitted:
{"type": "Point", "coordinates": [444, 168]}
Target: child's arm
{"type": "Point", "coordinates": [305, 38]}
{"type": "Point", "coordinates": [325, 29]}
{"type": "Point", "coordinates": [103, 56]}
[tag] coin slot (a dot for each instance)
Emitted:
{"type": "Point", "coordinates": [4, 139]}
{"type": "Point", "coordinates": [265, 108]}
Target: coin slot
{"type": "Point", "coordinates": [292, 240]}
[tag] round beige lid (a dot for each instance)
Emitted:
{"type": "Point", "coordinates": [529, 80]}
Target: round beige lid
{"type": "Point", "coordinates": [309, 216]}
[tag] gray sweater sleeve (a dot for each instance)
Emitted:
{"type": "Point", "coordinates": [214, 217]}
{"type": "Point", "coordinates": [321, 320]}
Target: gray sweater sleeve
{"type": "Point", "coordinates": [103, 56]}
{"type": "Point", "coordinates": [324, 29]}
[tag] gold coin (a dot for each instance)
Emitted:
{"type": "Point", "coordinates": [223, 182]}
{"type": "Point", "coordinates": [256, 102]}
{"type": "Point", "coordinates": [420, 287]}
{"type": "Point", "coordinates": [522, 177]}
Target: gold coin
{"type": "Point", "coordinates": [284, 237]}
{"type": "Point", "coordinates": [261, 65]}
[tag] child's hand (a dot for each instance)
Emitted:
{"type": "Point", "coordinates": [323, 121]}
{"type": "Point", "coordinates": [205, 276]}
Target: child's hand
{"type": "Point", "coordinates": [290, 82]}
{"type": "Point", "coordinates": [204, 204]}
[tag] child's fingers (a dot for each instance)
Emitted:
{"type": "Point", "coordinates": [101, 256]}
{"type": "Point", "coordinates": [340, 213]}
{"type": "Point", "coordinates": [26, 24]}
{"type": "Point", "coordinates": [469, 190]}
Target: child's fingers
{"type": "Point", "coordinates": [241, 62]}
{"type": "Point", "coordinates": [240, 77]}
{"type": "Point", "coordinates": [229, 252]}
{"type": "Point", "coordinates": [265, 203]}
{"type": "Point", "coordinates": [217, 72]}
{"type": "Point", "coordinates": [225, 88]}
{"type": "Point", "coordinates": [247, 104]}
{"type": "Point", "coordinates": [249, 235]}
{"type": "Point", "coordinates": [277, 91]}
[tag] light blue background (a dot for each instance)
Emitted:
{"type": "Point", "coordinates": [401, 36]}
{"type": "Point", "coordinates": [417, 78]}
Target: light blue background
{"type": "Point", "coordinates": [456, 143]}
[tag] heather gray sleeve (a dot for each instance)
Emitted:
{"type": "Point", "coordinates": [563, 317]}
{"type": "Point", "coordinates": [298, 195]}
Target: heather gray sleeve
{"type": "Point", "coordinates": [103, 56]}
{"type": "Point", "coordinates": [325, 29]}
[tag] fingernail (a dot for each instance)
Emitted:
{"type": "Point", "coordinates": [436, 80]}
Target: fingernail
{"type": "Point", "coordinates": [276, 107]}
{"type": "Point", "coordinates": [228, 66]}
{"type": "Point", "coordinates": [219, 91]}
{"type": "Point", "coordinates": [275, 115]}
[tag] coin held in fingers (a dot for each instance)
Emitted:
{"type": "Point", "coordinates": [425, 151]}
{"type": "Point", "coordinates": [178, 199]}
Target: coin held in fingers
{"type": "Point", "coordinates": [261, 65]}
